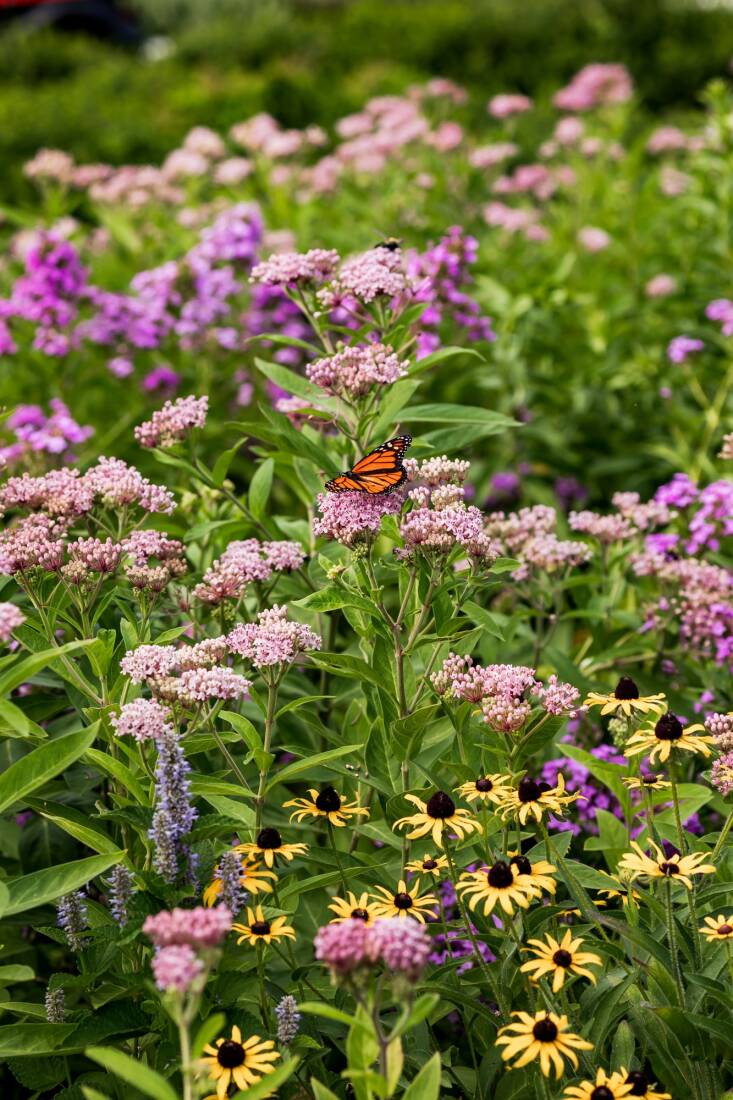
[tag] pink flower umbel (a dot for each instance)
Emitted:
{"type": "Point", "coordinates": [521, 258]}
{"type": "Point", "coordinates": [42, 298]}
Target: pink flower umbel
{"type": "Point", "coordinates": [342, 947]}
{"type": "Point", "coordinates": [353, 517]}
{"type": "Point", "coordinates": [11, 617]}
{"type": "Point", "coordinates": [403, 946]}
{"type": "Point", "coordinates": [173, 422]}
{"type": "Point", "coordinates": [294, 268]}
{"type": "Point", "coordinates": [352, 372]}
{"type": "Point", "coordinates": [273, 639]}
{"type": "Point", "coordinates": [198, 928]}
{"type": "Point", "coordinates": [143, 719]}
{"type": "Point", "coordinates": [176, 967]}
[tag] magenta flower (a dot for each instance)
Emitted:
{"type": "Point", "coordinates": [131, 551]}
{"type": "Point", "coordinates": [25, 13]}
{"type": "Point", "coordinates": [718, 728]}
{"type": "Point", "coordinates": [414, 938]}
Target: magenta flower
{"type": "Point", "coordinates": [176, 968]}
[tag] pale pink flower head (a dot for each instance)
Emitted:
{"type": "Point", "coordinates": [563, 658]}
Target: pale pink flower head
{"type": "Point", "coordinates": [568, 131]}
{"type": "Point", "coordinates": [660, 286]}
{"type": "Point", "coordinates": [672, 182]}
{"type": "Point", "coordinates": [681, 347]}
{"type": "Point", "coordinates": [354, 517]}
{"type": "Point", "coordinates": [97, 555]}
{"type": "Point", "coordinates": [343, 946]}
{"type": "Point", "coordinates": [606, 529]}
{"type": "Point", "coordinates": [11, 617]}
{"type": "Point", "coordinates": [294, 268]}
{"type": "Point", "coordinates": [149, 662]}
{"type": "Point", "coordinates": [353, 371]}
{"type": "Point", "coordinates": [273, 639]}
{"type": "Point", "coordinates": [557, 697]}
{"type": "Point", "coordinates": [176, 968]}
{"type": "Point", "coordinates": [595, 86]}
{"type": "Point", "coordinates": [373, 274]}
{"type": "Point", "coordinates": [447, 136]}
{"type": "Point", "coordinates": [488, 156]}
{"type": "Point", "coordinates": [173, 422]}
{"type": "Point", "coordinates": [205, 142]}
{"type": "Point", "coordinates": [666, 139]}
{"type": "Point", "coordinates": [232, 171]}
{"type": "Point", "coordinates": [503, 106]}
{"type": "Point", "coordinates": [593, 239]}
{"type": "Point", "coordinates": [198, 685]}
{"type": "Point", "coordinates": [403, 946]}
{"type": "Point", "coordinates": [199, 928]}
{"type": "Point", "coordinates": [143, 719]}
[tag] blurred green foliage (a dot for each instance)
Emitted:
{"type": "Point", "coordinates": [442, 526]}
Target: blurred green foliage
{"type": "Point", "coordinates": [315, 61]}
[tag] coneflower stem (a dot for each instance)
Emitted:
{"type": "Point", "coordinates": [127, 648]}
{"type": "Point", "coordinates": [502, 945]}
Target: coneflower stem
{"type": "Point", "coordinates": [673, 945]}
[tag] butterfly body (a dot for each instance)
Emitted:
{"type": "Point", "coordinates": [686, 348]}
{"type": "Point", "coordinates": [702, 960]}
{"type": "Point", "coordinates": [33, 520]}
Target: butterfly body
{"type": "Point", "coordinates": [379, 472]}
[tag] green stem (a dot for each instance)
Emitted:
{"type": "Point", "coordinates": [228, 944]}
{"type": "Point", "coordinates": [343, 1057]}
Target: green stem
{"type": "Point", "coordinates": [185, 1043]}
{"type": "Point", "coordinates": [723, 837]}
{"type": "Point", "coordinates": [269, 725]}
{"type": "Point", "coordinates": [332, 837]}
{"type": "Point", "coordinates": [673, 945]}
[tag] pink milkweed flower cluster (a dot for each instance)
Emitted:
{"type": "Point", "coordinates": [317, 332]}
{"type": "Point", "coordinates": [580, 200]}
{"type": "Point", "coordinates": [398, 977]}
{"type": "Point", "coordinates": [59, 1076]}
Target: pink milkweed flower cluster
{"type": "Point", "coordinates": [198, 685]}
{"type": "Point", "coordinates": [173, 422]}
{"type": "Point", "coordinates": [660, 286]}
{"type": "Point", "coordinates": [350, 518]}
{"type": "Point", "coordinates": [508, 104]}
{"type": "Point", "coordinates": [153, 559]}
{"type": "Point", "coordinates": [35, 432]}
{"type": "Point", "coordinates": [353, 371]}
{"type": "Point", "coordinates": [186, 673]}
{"type": "Point", "coordinates": [593, 239]}
{"type": "Point", "coordinates": [244, 562]}
{"type": "Point", "coordinates": [515, 220]}
{"type": "Point", "coordinates": [11, 617]}
{"type": "Point", "coordinates": [289, 269]}
{"type": "Point", "coordinates": [440, 470]}
{"type": "Point", "coordinates": [273, 639]}
{"type": "Point", "coordinates": [488, 156]}
{"type": "Point", "coordinates": [199, 928]}
{"type": "Point", "coordinates": [143, 719]}
{"type": "Point", "coordinates": [607, 529]}
{"type": "Point", "coordinates": [530, 536]}
{"type": "Point", "coordinates": [402, 946]}
{"type": "Point", "coordinates": [376, 273]}
{"type": "Point", "coordinates": [595, 85]}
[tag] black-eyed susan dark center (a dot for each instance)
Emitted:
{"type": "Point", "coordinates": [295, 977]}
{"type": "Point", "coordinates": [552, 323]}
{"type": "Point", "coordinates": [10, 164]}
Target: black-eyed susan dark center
{"type": "Point", "coordinates": [484, 785]}
{"type": "Point", "coordinates": [639, 1083]}
{"type": "Point", "coordinates": [562, 958]}
{"type": "Point", "coordinates": [359, 914]}
{"type": "Point", "coordinates": [402, 901]}
{"type": "Point", "coordinates": [429, 864]}
{"type": "Point", "coordinates": [260, 928]}
{"type": "Point", "coordinates": [269, 838]}
{"type": "Point", "coordinates": [500, 876]}
{"type": "Point", "coordinates": [328, 801]}
{"type": "Point", "coordinates": [230, 1054]}
{"type": "Point", "coordinates": [725, 929]}
{"type": "Point", "coordinates": [668, 728]}
{"type": "Point", "coordinates": [522, 864]}
{"type": "Point", "coordinates": [544, 1031]}
{"type": "Point", "coordinates": [626, 689]}
{"type": "Point", "coordinates": [669, 868]}
{"type": "Point", "coordinates": [440, 806]}
{"type": "Point", "coordinates": [528, 790]}
{"type": "Point", "coordinates": [600, 1092]}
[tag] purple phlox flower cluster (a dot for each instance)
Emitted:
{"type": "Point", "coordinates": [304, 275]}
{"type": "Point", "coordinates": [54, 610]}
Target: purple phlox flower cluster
{"type": "Point", "coordinates": [11, 617]}
{"type": "Point", "coordinates": [174, 815]}
{"type": "Point", "coordinates": [173, 422]}
{"type": "Point", "coordinates": [353, 517]}
{"type": "Point", "coordinates": [288, 1019]}
{"type": "Point", "coordinates": [35, 432]}
{"type": "Point", "coordinates": [176, 967]}
{"type": "Point", "coordinates": [607, 529]}
{"type": "Point", "coordinates": [199, 928]}
{"type": "Point", "coordinates": [529, 535]}
{"type": "Point", "coordinates": [351, 944]}
{"type": "Point", "coordinates": [507, 104]}
{"type": "Point", "coordinates": [121, 889]}
{"type": "Point", "coordinates": [569, 491]}
{"type": "Point", "coordinates": [271, 311]}
{"type": "Point", "coordinates": [681, 347]}
{"type": "Point", "coordinates": [273, 639]}
{"type": "Point", "coordinates": [594, 796]}
{"type": "Point", "coordinates": [595, 85]}
{"type": "Point", "coordinates": [713, 518]}
{"type": "Point", "coordinates": [680, 492]}
{"type": "Point", "coordinates": [440, 522]}
{"type": "Point", "coordinates": [244, 562]}
{"type": "Point", "coordinates": [287, 269]}
{"type": "Point", "coordinates": [47, 294]}
{"type": "Point", "coordinates": [143, 719]}
{"type": "Point", "coordinates": [721, 310]}
{"type": "Point", "coordinates": [229, 871]}
{"type": "Point", "coordinates": [455, 943]}
{"type": "Point", "coordinates": [353, 371]}
{"type": "Point", "coordinates": [505, 489]}
{"type": "Point", "coordinates": [439, 277]}
{"type": "Point", "coordinates": [376, 273]}
{"type": "Point", "coordinates": [55, 1005]}
{"type": "Point", "coordinates": [71, 916]}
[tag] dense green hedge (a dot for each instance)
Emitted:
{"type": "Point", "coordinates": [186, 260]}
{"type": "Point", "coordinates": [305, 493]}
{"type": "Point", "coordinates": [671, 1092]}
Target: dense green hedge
{"type": "Point", "coordinates": [308, 62]}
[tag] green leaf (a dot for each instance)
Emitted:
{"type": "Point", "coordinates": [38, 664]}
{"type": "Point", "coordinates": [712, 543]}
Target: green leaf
{"type": "Point", "coordinates": [76, 824]}
{"type": "Point", "coordinates": [34, 770]}
{"type": "Point", "coordinates": [332, 598]}
{"type": "Point", "coordinates": [220, 468]}
{"type": "Point", "coordinates": [461, 414]}
{"type": "Point", "coordinates": [420, 1011]}
{"type": "Point", "coordinates": [16, 972]}
{"type": "Point", "coordinates": [244, 728]}
{"type": "Point", "coordinates": [290, 382]}
{"type": "Point", "coordinates": [441, 355]}
{"type": "Point", "coordinates": [28, 667]}
{"type": "Point", "coordinates": [119, 771]}
{"type": "Point", "coordinates": [318, 760]}
{"type": "Point", "coordinates": [343, 664]}
{"type": "Point", "coordinates": [490, 622]}
{"type": "Point", "coordinates": [259, 488]}
{"type": "Point", "coordinates": [270, 1083]}
{"type": "Point", "coordinates": [15, 719]}
{"type": "Point", "coordinates": [40, 887]}
{"type": "Point", "coordinates": [209, 1030]}
{"type": "Point", "coordinates": [19, 1040]}
{"type": "Point", "coordinates": [327, 1011]}
{"type": "Point", "coordinates": [426, 1086]}
{"type": "Point", "coordinates": [133, 1072]}
{"type": "Point", "coordinates": [320, 1092]}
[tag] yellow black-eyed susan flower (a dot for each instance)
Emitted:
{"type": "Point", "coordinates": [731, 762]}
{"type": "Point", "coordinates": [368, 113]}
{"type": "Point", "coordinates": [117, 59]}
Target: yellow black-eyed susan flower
{"type": "Point", "coordinates": [718, 928]}
{"type": "Point", "coordinates": [619, 890]}
{"type": "Point", "coordinates": [436, 866]}
{"type": "Point", "coordinates": [625, 697]}
{"type": "Point", "coordinates": [270, 847]}
{"type": "Point", "coordinates": [403, 902]}
{"type": "Point", "coordinates": [667, 734]}
{"type": "Point", "coordinates": [560, 958]}
{"type": "Point", "coordinates": [543, 1035]}
{"type": "Point", "coordinates": [352, 907]}
{"type": "Point", "coordinates": [641, 1087]}
{"type": "Point", "coordinates": [501, 884]}
{"type": "Point", "coordinates": [259, 929]}
{"type": "Point", "coordinates": [435, 815]}
{"type": "Point", "coordinates": [487, 788]}
{"type": "Point", "coordinates": [538, 875]}
{"type": "Point", "coordinates": [534, 798]}
{"type": "Point", "coordinates": [677, 868]}
{"type": "Point", "coordinates": [244, 1063]}
{"type": "Point", "coordinates": [650, 782]}
{"type": "Point", "coordinates": [251, 878]}
{"type": "Point", "coordinates": [606, 1086]}
{"type": "Point", "coordinates": [325, 803]}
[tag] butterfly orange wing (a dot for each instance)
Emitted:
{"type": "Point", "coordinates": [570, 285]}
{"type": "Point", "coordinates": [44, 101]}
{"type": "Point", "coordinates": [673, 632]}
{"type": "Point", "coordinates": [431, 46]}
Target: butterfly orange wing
{"type": "Point", "coordinates": [380, 471]}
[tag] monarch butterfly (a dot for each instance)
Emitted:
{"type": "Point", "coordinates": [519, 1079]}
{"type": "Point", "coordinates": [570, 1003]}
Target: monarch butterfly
{"type": "Point", "coordinates": [380, 471]}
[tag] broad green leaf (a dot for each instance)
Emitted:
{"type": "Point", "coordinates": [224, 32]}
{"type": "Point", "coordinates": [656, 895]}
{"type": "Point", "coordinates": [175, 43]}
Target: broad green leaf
{"type": "Point", "coordinates": [244, 728]}
{"type": "Point", "coordinates": [19, 1040]}
{"type": "Point", "coordinates": [259, 488]}
{"type": "Point", "coordinates": [343, 664]}
{"type": "Point", "coordinates": [270, 1083]}
{"type": "Point", "coordinates": [426, 1086]}
{"type": "Point", "coordinates": [13, 718]}
{"type": "Point", "coordinates": [461, 414]}
{"type": "Point", "coordinates": [320, 1092]}
{"type": "Point", "coordinates": [332, 598]}
{"type": "Point", "coordinates": [318, 760]}
{"type": "Point", "coordinates": [420, 1011]}
{"type": "Point", "coordinates": [16, 972]}
{"type": "Point", "coordinates": [441, 355]}
{"type": "Point", "coordinates": [26, 668]}
{"type": "Point", "coordinates": [290, 382]}
{"type": "Point", "coordinates": [227, 807]}
{"type": "Point", "coordinates": [76, 824]}
{"type": "Point", "coordinates": [40, 887]}
{"type": "Point", "coordinates": [327, 1011]}
{"type": "Point", "coordinates": [133, 1072]}
{"type": "Point", "coordinates": [119, 771]}
{"type": "Point", "coordinates": [34, 770]}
